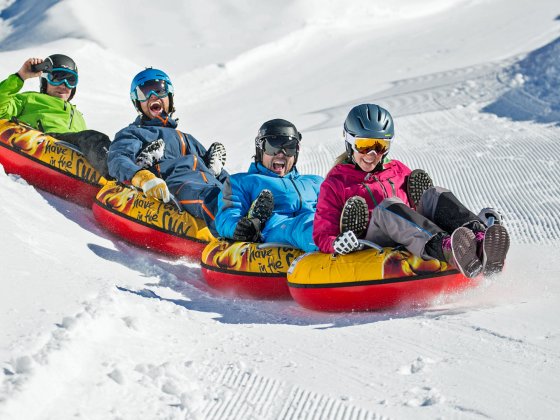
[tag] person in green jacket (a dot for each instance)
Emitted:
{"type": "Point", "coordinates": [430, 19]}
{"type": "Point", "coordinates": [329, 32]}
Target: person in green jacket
{"type": "Point", "coordinates": [50, 110]}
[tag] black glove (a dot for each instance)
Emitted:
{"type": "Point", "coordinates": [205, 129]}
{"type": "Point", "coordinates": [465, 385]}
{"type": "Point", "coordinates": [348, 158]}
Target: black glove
{"type": "Point", "coordinates": [247, 230]}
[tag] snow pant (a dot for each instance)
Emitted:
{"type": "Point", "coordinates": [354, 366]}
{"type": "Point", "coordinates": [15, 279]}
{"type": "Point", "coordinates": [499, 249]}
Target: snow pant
{"type": "Point", "coordinates": [294, 230]}
{"type": "Point", "coordinates": [394, 223]}
{"type": "Point", "coordinates": [195, 188]}
{"type": "Point", "coordinates": [93, 145]}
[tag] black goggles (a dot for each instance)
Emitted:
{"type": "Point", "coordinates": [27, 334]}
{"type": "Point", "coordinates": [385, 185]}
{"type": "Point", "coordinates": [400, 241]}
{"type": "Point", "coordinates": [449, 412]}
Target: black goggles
{"type": "Point", "coordinates": [272, 145]}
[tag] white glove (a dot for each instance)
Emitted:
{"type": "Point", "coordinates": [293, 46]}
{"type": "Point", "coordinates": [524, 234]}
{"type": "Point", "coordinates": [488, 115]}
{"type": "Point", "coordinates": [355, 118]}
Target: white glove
{"type": "Point", "coordinates": [346, 242]}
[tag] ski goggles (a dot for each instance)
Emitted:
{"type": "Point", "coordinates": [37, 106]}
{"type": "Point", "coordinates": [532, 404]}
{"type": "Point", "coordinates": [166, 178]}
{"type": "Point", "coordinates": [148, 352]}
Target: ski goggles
{"type": "Point", "coordinates": [272, 145]}
{"type": "Point", "coordinates": [367, 146]}
{"type": "Point", "coordinates": [159, 88]}
{"type": "Point", "coordinates": [58, 76]}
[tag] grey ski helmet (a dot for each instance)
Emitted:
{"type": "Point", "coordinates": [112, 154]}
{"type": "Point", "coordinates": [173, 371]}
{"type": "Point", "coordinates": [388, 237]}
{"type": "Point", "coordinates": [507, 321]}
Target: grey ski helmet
{"type": "Point", "coordinates": [59, 61]}
{"type": "Point", "coordinates": [276, 128]}
{"type": "Point", "coordinates": [368, 121]}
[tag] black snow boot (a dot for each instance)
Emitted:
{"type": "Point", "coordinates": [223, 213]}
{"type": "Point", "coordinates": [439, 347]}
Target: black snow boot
{"type": "Point", "coordinates": [355, 216]}
{"type": "Point", "coordinates": [418, 182]}
{"type": "Point", "coordinates": [262, 208]}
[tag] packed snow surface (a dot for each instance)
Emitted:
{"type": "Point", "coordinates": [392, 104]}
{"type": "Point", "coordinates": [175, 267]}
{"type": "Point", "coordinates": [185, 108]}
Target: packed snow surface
{"type": "Point", "coordinates": [94, 328]}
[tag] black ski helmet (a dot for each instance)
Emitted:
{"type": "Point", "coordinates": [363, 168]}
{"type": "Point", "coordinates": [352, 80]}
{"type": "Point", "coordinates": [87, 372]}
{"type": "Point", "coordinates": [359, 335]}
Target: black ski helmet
{"type": "Point", "coordinates": [59, 61]}
{"type": "Point", "coordinates": [277, 127]}
{"type": "Point", "coordinates": [369, 121]}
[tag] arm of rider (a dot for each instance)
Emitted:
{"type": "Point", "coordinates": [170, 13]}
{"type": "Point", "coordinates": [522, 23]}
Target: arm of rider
{"type": "Point", "coordinates": [151, 185]}
{"type": "Point", "coordinates": [247, 230]}
{"type": "Point", "coordinates": [25, 71]}
{"type": "Point", "coordinates": [346, 242]}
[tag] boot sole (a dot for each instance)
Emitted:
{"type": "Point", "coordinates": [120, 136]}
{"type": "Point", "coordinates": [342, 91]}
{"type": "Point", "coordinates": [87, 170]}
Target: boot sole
{"type": "Point", "coordinates": [463, 245]}
{"type": "Point", "coordinates": [418, 182]}
{"type": "Point", "coordinates": [355, 216]}
{"type": "Point", "coordinates": [219, 153]}
{"type": "Point", "coordinates": [266, 209]}
{"type": "Point", "coordinates": [495, 248]}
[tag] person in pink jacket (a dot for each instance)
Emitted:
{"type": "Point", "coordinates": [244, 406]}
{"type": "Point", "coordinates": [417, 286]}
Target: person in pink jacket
{"type": "Point", "coordinates": [367, 195]}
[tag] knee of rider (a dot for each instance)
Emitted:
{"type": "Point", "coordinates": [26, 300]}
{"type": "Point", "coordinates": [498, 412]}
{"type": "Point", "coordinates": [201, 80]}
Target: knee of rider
{"type": "Point", "coordinates": [389, 201]}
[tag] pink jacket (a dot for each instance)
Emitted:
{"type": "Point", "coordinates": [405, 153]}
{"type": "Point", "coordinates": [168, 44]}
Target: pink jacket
{"type": "Point", "coordinates": [345, 181]}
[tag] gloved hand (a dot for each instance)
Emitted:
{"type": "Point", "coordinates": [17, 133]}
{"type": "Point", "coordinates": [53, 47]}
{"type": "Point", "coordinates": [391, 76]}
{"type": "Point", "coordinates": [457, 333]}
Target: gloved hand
{"type": "Point", "coordinates": [346, 242]}
{"type": "Point", "coordinates": [151, 185]}
{"type": "Point", "coordinates": [247, 230]}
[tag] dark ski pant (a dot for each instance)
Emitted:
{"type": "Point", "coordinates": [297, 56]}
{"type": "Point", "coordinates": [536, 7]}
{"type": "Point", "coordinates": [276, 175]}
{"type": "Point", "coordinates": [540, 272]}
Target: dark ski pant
{"type": "Point", "coordinates": [94, 145]}
{"type": "Point", "coordinates": [196, 189]}
{"type": "Point", "coordinates": [394, 223]}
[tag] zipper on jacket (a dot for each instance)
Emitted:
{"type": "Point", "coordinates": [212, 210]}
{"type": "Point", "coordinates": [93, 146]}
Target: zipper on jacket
{"type": "Point", "coordinates": [392, 184]}
{"type": "Point", "coordinates": [300, 198]}
{"type": "Point", "coordinates": [71, 114]}
{"type": "Point", "coordinates": [382, 186]}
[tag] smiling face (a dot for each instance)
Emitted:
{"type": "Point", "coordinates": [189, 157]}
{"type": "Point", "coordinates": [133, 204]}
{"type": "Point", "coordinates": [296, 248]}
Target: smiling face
{"type": "Point", "coordinates": [154, 106]}
{"type": "Point", "coordinates": [61, 91]}
{"type": "Point", "coordinates": [367, 162]}
{"type": "Point", "coordinates": [280, 164]}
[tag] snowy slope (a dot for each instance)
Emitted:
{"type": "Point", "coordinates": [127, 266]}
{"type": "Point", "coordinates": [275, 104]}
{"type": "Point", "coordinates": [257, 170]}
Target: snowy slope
{"type": "Point", "coordinates": [95, 328]}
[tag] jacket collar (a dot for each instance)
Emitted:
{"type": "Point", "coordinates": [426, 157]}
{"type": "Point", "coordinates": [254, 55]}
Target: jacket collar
{"type": "Point", "coordinates": [166, 121]}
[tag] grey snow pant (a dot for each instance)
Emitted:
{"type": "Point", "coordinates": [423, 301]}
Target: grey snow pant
{"type": "Point", "coordinates": [393, 223]}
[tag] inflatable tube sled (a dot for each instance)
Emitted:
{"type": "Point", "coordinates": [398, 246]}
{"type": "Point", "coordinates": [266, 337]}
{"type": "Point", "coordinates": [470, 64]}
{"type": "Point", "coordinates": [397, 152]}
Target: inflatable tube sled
{"type": "Point", "coordinates": [47, 163]}
{"type": "Point", "coordinates": [370, 280]}
{"type": "Point", "coordinates": [248, 269]}
{"type": "Point", "coordinates": [150, 223]}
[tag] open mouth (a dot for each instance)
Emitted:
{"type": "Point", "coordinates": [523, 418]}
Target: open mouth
{"type": "Point", "coordinates": [156, 108]}
{"type": "Point", "coordinates": [278, 165]}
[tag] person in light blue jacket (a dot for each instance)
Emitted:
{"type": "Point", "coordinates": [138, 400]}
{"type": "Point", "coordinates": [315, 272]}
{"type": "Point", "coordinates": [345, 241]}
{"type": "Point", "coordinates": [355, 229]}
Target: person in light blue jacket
{"type": "Point", "coordinates": [272, 202]}
{"type": "Point", "coordinates": [156, 157]}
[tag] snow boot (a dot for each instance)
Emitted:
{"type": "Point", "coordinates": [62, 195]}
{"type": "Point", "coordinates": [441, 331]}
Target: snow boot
{"type": "Point", "coordinates": [418, 182]}
{"type": "Point", "coordinates": [495, 247]}
{"type": "Point", "coordinates": [151, 154]}
{"type": "Point", "coordinates": [216, 158]}
{"type": "Point", "coordinates": [262, 208]}
{"type": "Point", "coordinates": [355, 216]}
{"type": "Point", "coordinates": [464, 249]}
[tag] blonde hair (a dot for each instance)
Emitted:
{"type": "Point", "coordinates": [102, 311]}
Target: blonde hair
{"type": "Point", "coordinates": [343, 158]}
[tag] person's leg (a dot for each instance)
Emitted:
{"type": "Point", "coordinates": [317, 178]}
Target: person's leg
{"type": "Point", "coordinates": [196, 191]}
{"type": "Point", "coordinates": [393, 222]}
{"type": "Point", "coordinates": [444, 209]}
{"type": "Point", "coordinates": [94, 145]}
{"type": "Point", "coordinates": [295, 231]}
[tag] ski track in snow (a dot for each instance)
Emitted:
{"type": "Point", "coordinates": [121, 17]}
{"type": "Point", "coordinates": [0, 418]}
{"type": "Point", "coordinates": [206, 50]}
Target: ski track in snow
{"type": "Point", "coordinates": [433, 110]}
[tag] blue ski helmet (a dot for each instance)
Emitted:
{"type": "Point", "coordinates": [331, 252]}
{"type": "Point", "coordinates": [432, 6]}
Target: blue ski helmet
{"type": "Point", "coordinates": [368, 121]}
{"type": "Point", "coordinates": [147, 75]}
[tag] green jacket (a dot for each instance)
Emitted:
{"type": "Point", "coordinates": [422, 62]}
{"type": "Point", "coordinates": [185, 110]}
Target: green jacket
{"type": "Point", "coordinates": [39, 110]}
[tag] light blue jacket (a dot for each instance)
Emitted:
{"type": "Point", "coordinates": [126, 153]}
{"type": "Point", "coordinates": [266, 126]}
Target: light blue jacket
{"type": "Point", "coordinates": [295, 201]}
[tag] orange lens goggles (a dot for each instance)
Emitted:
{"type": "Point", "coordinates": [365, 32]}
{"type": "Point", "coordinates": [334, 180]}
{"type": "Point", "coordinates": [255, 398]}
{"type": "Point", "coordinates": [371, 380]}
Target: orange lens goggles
{"type": "Point", "coordinates": [366, 146]}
